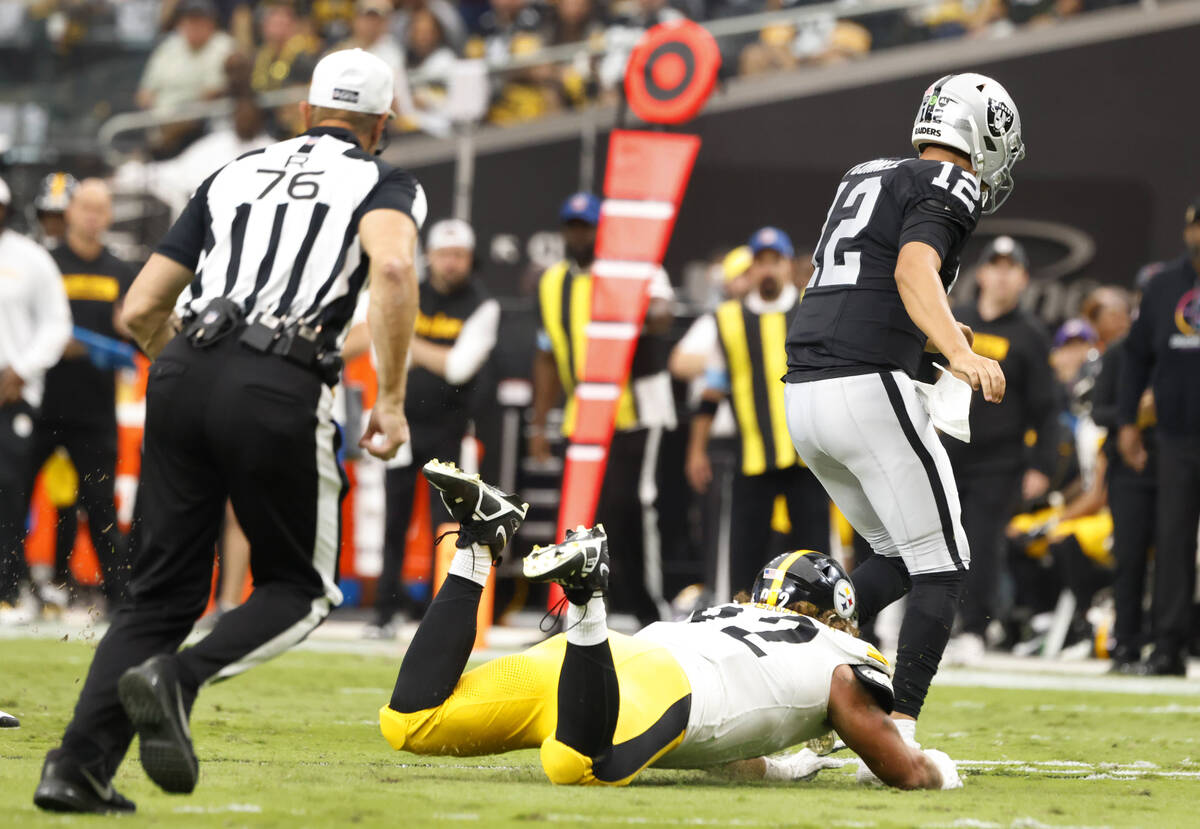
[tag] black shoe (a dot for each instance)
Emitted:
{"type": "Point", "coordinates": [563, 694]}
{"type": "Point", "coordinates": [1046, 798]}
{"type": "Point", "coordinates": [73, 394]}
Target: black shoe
{"type": "Point", "coordinates": [1124, 661]}
{"type": "Point", "coordinates": [580, 564]}
{"type": "Point", "coordinates": [486, 515]}
{"type": "Point", "coordinates": [153, 699]}
{"type": "Point", "coordinates": [9, 721]}
{"type": "Point", "coordinates": [66, 786]}
{"type": "Point", "coordinates": [1162, 663]}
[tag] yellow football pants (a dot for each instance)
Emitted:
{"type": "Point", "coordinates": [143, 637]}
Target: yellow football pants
{"type": "Point", "coordinates": [512, 703]}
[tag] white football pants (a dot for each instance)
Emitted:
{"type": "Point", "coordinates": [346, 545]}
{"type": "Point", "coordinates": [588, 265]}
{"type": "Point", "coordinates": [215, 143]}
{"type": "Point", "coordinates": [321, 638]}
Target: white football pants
{"type": "Point", "coordinates": [870, 442]}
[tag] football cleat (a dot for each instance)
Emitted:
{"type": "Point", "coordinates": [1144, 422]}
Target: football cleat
{"type": "Point", "coordinates": [485, 515]}
{"type": "Point", "coordinates": [153, 699]}
{"type": "Point", "coordinates": [67, 786]}
{"type": "Point", "coordinates": [8, 720]}
{"type": "Point", "coordinates": [580, 564]}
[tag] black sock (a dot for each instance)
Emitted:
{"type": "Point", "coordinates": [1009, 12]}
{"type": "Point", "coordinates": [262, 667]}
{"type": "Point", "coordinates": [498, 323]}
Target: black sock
{"type": "Point", "coordinates": [924, 633]}
{"type": "Point", "coordinates": [439, 652]}
{"type": "Point", "coordinates": [879, 581]}
{"type": "Point", "coordinates": [589, 699]}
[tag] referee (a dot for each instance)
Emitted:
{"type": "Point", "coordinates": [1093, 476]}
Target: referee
{"type": "Point", "coordinates": [264, 268]}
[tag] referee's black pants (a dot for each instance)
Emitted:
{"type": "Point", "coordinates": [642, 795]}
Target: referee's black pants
{"type": "Point", "coordinates": [221, 423]}
{"type": "Point", "coordinates": [93, 451]}
{"type": "Point", "coordinates": [752, 542]}
{"type": "Point", "coordinates": [1175, 546]}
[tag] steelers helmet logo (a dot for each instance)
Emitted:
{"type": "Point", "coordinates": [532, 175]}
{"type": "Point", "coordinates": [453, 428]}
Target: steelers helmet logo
{"type": "Point", "coordinates": [844, 600]}
{"type": "Point", "coordinates": [672, 72]}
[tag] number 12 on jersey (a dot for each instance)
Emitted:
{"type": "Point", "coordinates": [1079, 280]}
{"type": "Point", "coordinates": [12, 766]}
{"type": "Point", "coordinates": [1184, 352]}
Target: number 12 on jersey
{"type": "Point", "coordinates": [852, 206]}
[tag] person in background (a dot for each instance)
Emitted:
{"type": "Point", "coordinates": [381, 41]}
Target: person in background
{"type": "Point", "coordinates": [746, 360]}
{"type": "Point", "coordinates": [50, 205]}
{"type": "Point", "coordinates": [688, 361]}
{"type": "Point", "coordinates": [514, 28]}
{"type": "Point", "coordinates": [1132, 494]}
{"type": "Point", "coordinates": [564, 298]}
{"type": "Point", "coordinates": [371, 32]}
{"type": "Point", "coordinates": [446, 13]}
{"type": "Point", "coordinates": [79, 405]}
{"type": "Point", "coordinates": [288, 51]}
{"type": "Point", "coordinates": [188, 65]}
{"type": "Point", "coordinates": [1074, 345]}
{"type": "Point", "coordinates": [994, 472]}
{"type": "Point", "coordinates": [1109, 310]}
{"type": "Point", "coordinates": [35, 326]}
{"type": "Point", "coordinates": [1163, 352]}
{"type": "Point", "coordinates": [453, 338]}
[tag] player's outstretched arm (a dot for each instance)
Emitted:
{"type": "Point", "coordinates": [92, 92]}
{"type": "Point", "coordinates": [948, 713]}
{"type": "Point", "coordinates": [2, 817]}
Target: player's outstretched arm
{"type": "Point", "coordinates": [869, 732]}
{"type": "Point", "coordinates": [924, 299]}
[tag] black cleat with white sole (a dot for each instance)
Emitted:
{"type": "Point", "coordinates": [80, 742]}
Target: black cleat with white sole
{"type": "Point", "coordinates": [67, 786]}
{"type": "Point", "coordinates": [153, 699]}
{"type": "Point", "coordinates": [486, 515]}
{"type": "Point", "coordinates": [580, 564]}
{"type": "Point", "coordinates": [9, 721]}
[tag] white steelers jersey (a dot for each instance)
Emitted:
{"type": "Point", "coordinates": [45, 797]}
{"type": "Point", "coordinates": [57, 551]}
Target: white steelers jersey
{"type": "Point", "coordinates": [760, 679]}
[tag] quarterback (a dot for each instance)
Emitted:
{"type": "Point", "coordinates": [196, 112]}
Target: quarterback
{"type": "Point", "coordinates": [887, 257]}
{"type": "Point", "coordinates": [724, 690]}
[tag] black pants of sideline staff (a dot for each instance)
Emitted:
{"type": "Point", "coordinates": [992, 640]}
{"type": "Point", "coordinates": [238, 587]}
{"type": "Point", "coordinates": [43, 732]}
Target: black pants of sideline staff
{"type": "Point", "coordinates": [1175, 551]}
{"type": "Point", "coordinates": [93, 450]}
{"type": "Point", "coordinates": [752, 543]}
{"type": "Point", "coordinates": [988, 502]}
{"type": "Point", "coordinates": [1132, 502]}
{"type": "Point", "coordinates": [222, 422]}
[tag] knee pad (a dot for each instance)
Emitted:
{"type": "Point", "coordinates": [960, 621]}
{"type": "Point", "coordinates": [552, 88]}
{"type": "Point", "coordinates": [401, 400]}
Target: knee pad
{"type": "Point", "coordinates": [399, 729]}
{"type": "Point", "coordinates": [564, 766]}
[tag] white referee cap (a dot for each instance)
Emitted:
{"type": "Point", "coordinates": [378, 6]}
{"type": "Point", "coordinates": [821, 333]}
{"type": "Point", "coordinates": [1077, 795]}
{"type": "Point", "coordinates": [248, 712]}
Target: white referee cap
{"type": "Point", "coordinates": [353, 80]}
{"type": "Point", "coordinates": [450, 233]}
{"type": "Point", "coordinates": [5, 193]}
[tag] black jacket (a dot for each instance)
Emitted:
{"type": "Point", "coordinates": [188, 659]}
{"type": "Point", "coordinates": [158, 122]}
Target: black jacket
{"type": "Point", "coordinates": [1019, 343]}
{"type": "Point", "coordinates": [1163, 349]}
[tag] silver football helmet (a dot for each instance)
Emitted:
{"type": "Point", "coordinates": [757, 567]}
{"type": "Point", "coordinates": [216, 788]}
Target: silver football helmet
{"type": "Point", "coordinates": [974, 115]}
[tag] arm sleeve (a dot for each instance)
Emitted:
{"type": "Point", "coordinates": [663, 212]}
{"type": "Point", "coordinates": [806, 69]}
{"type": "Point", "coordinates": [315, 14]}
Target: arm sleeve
{"type": "Point", "coordinates": [935, 224]}
{"type": "Point", "coordinates": [474, 344]}
{"type": "Point", "coordinates": [1139, 360]}
{"type": "Point", "coordinates": [398, 190]}
{"type": "Point", "coordinates": [1041, 409]}
{"type": "Point", "coordinates": [716, 378]}
{"type": "Point", "coordinates": [52, 317]}
{"type": "Point", "coordinates": [184, 242]}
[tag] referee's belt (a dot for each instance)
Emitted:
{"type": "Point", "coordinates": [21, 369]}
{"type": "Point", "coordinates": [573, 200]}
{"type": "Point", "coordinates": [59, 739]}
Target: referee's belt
{"type": "Point", "coordinates": [294, 340]}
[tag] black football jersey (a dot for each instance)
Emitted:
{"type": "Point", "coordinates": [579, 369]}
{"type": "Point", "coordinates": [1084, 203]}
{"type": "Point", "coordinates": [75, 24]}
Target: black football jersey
{"type": "Point", "coordinates": [851, 319]}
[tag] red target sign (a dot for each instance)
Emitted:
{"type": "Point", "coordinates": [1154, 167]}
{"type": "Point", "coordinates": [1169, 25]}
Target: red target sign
{"type": "Point", "coordinates": [672, 72]}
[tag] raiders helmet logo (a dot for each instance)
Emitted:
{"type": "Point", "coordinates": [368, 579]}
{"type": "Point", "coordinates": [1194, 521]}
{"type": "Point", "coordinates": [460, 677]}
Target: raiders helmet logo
{"type": "Point", "coordinates": [999, 117]}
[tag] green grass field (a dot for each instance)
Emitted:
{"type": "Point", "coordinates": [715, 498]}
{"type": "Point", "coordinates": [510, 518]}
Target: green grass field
{"type": "Point", "coordinates": [295, 743]}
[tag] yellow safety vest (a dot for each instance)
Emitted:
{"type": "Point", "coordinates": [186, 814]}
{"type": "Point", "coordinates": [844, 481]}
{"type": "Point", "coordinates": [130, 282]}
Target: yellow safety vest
{"type": "Point", "coordinates": [756, 358]}
{"type": "Point", "coordinates": [566, 304]}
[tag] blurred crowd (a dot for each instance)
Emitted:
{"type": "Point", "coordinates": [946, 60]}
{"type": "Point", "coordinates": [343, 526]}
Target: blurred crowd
{"type": "Point", "coordinates": [204, 49]}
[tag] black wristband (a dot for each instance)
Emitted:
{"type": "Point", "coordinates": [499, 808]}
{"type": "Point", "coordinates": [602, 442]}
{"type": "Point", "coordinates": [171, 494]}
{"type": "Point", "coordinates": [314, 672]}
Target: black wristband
{"type": "Point", "coordinates": [707, 407]}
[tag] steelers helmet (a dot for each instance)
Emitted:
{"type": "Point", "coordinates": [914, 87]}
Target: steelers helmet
{"type": "Point", "coordinates": [54, 193]}
{"type": "Point", "coordinates": [976, 116]}
{"type": "Point", "coordinates": [806, 575]}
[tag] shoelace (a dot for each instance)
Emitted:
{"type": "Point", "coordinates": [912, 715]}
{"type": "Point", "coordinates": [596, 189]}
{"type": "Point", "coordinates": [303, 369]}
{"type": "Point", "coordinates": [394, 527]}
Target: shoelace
{"type": "Point", "coordinates": [465, 534]}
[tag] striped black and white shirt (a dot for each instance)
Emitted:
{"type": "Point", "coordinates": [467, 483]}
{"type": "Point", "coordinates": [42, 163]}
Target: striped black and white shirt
{"type": "Point", "coordinates": [277, 229]}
